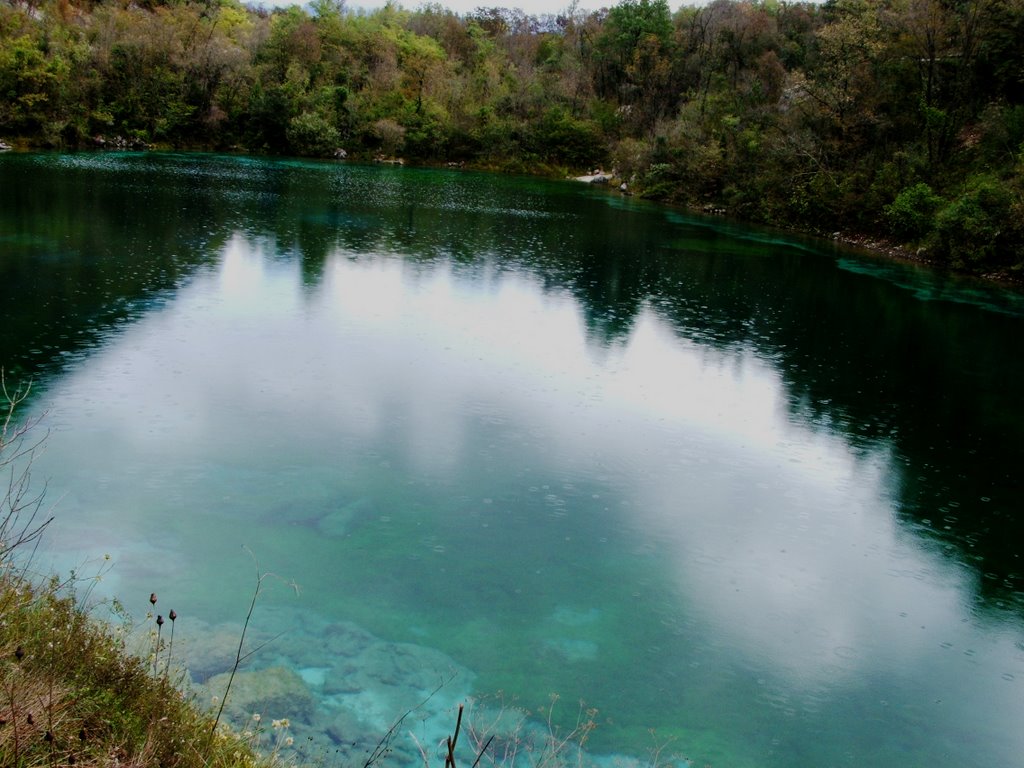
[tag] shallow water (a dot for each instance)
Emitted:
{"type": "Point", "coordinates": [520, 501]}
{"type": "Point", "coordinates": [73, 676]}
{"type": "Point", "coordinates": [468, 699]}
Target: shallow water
{"type": "Point", "coordinates": [759, 495]}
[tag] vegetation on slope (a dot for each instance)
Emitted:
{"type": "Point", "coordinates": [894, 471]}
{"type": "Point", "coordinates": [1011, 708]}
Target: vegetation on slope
{"type": "Point", "coordinates": [73, 695]}
{"type": "Point", "coordinates": [900, 118]}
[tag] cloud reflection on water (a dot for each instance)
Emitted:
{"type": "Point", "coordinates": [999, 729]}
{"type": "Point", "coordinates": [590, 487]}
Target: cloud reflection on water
{"type": "Point", "coordinates": [780, 536]}
{"type": "Point", "coordinates": [794, 557]}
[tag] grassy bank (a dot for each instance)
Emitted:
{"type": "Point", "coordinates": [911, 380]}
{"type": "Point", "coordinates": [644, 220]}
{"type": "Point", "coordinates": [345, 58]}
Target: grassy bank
{"type": "Point", "coordinates": [73, 694]}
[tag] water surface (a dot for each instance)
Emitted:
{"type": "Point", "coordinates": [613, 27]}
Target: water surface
{"type": "Point", "coordinates": [757, 495]}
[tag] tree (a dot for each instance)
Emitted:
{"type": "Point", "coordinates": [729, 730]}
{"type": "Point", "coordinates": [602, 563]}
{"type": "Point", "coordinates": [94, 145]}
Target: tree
{"type": "Point", "coordinates": [391, 136]}
{"type": "Point", "coordinates": [311, 134]}
{"type": "Point", "coordinates": [843, 82]}
{"type": "Point", "coordinates": [634, 53]}
{"type": "Point", "coordinates": [424, 64]}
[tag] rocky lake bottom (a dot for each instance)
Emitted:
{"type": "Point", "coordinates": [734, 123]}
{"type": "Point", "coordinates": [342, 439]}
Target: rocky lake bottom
{"type": "Point", "coordinates": [332, 693]}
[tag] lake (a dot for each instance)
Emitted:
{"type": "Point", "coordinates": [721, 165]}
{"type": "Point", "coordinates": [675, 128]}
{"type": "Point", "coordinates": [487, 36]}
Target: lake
{"type": "Point", "coordinates": [754, 499]}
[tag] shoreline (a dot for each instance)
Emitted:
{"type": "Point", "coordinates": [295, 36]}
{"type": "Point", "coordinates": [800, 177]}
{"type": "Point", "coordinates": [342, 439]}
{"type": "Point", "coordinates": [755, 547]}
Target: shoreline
{"type": "Point", "coordinates": [874, 245]}
{"type": "Point", "coordinates": [871, 244]}
{"type": "Point", "coordinates": [884, 248]}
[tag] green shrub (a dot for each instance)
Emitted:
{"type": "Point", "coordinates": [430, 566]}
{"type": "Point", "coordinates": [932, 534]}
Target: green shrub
{"type": "Point", "coordinates": [559, 137]}
{"type": "Point", "coordinates": [313, 135]}
{"type": "Point", "coordinates": [912, 214]}
{"type": "Point", "coordinates": [426, 133]}
{"type": "Point", "coordinates": [661, 180]}
{"type": "Point", "coordinates": [969, 230]}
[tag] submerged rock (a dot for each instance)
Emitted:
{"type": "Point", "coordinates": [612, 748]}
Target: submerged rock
{"type": "Point", "coordinates": [346, 639]}
{"type": "Point", "coordinates": [576, 617]}
{"type": "Point", "coordinates": [386, 679]}
{"type": "Point", "coordinates": [573, 650]}
{"type": "Point", "coordinates": [275, 692]}
{"type": "Point", "coordinates": [347, 518]}
{"type": "Point", "coordinates": [348, 693]}
{"type": "Point", "coordinates": [347, 730]}
{"type": "Point", "coordinates": [211, 650]}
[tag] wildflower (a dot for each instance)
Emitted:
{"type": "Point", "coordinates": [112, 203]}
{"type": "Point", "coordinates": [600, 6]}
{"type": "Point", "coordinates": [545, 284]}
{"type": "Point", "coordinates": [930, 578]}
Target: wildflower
{"type": "Point", "coordinates": [289, 741]}
{"type": "Point", "coordinates": [256, 717]}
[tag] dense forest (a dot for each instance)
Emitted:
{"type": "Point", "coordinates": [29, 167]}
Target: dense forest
{"type": "Point", "coordinates": [901, 119]}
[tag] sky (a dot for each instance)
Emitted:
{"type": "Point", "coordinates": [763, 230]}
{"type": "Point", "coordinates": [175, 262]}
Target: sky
{"type": "Point", "coordinates": [531, 7]}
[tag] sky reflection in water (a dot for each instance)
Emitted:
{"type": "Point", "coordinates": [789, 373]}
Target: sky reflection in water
{"type": "Point", "coordinates": [651, 523]}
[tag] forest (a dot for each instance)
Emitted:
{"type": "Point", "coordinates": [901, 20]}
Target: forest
{"type": "Point", "coordinates": [896, 120]}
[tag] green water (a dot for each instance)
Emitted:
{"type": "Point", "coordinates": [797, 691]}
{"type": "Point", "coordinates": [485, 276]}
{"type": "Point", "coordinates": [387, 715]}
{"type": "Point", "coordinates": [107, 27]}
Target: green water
{"type": "Point", "coordinates": [762, 497]}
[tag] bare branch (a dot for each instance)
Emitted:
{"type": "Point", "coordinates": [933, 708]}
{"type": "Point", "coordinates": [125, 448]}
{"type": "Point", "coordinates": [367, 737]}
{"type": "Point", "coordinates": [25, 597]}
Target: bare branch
{"type": "Point", "coordinates": [22, 516]}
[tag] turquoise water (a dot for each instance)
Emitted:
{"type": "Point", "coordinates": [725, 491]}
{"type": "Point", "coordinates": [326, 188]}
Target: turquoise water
{"type": "Point", "coordinates": [755, 500]}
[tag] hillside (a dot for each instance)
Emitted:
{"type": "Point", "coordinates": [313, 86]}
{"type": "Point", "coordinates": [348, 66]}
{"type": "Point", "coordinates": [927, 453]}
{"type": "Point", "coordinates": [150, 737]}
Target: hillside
{"type": "Point", "coordinates": [898, 119]}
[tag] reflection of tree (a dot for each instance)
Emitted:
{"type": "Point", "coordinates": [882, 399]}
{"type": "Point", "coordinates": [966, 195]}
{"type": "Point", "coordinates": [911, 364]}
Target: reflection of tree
{"type": "Point", "coordinates": [96, 249]}
{"type": "Point", "coordinates": [858, 355]}
{"type": "Point", "coordinates": [861, 358]}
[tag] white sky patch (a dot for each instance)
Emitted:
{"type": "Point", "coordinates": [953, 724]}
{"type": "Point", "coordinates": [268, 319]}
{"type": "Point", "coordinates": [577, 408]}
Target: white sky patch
{"type": "Point", "coordinates": [463, 7]}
